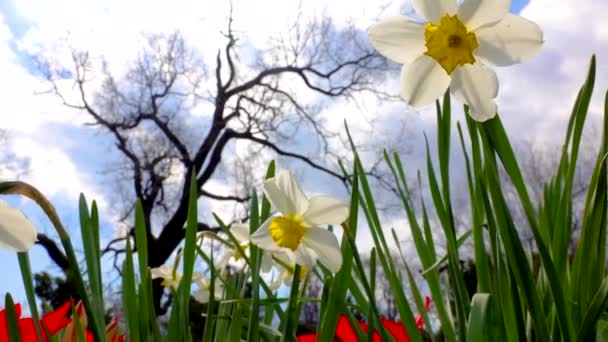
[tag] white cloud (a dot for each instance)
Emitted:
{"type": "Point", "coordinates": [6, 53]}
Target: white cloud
{"type": "Point", "coordinates": [536, 98]}
{"type": "Point", "coordinates": [54, 172]}
{"type": "Point", "coordinates": [31, 121]}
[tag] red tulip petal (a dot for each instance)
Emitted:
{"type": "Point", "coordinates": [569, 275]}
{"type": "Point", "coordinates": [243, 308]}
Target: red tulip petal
{"type": "Point", "coordinates": [27, 329]}
{"type": "Point", "coordinates": [18, 310]}
{"type": "Point", "coordinates": [3, 326]}
{"type": "Point", "coordinates": [419, 322]}
{"type": "Point", "coordinates": [307, 338]}
{"type": "Point", "coordinates": [396, 329]}
{"type": "Point", "coordinates": [345, 331]}
{"type": "Point", "coordinates": [56, 320]}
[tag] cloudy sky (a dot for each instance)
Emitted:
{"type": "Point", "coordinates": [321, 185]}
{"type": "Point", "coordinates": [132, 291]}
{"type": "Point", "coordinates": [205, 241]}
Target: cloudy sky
{"type": "Point", "coordinates": [534, 99]}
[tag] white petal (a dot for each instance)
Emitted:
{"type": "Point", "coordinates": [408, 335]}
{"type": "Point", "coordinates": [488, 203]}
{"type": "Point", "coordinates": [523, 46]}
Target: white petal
{"type": "Point", "coordinates": [477, 13]}
{"type": "Point", "coordinates": [284, 259]}
{"type": "Point", "coordinates": [197, 276]}
{"type": "Point", "coordinates": [17, 233]}
{"type": "Point", "coordinates": [262, 237]}
{"type": "Point", "coordinates": [201, 296]}
{"type": "Point", "coordinates": [285, 194]}
{"type": "Point", "coordinates": [398, 39]}
{"type": "Point", "coordinates": [240, 232]}
{"type": "Point", "coordinates": [267, 262]}
{"type": "Point", "coordinates": [512, 40]}
{"type": "Point", "coordinates": [305, 256]}
{"type": "Point", "coordinates": [325, 245]}
{"type": "Point", "coordinates": [218, 291]}
{"type": "Point", "coordinates": [477, 86]}
{"type": "Point", "coordinates": [433, 10]}
{"type": "Point", "coordinates": [423, 81]}
{"type": "Point", "coordinates": [223, 261]}
{"type": "Point", "coordinates": [287, 278]}
{"type": "Point", "coordinates": [164, 271]}
{"type": "Point", "coordinates": [325, 210]}
{"type": "Point", "coordinates": [286, 255]}
{"type": "Point", "coordinates": [276, 283]}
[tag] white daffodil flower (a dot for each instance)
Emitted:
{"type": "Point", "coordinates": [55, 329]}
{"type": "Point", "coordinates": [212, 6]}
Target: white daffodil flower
{"type": "Point", "coordinates": [243, 237]}
{"type": "Point", "coordinates": [166, 273]}
{"type": "Point", "coordinates": [204, 290]}
{"type": "Point", "coordinates": [452, 49]}
{"type": "Point", "coordinates": [170, 276]}
{"type": "Point", "coordinates": [295, 231]}
{"type": "Point", "coordinates": [17, 233]}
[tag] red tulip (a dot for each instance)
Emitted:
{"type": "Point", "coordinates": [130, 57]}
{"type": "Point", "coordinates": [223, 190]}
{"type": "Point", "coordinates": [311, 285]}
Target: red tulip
{"type": "Point", "coordinates": [51, 323]}
{"type": "Point", "coordinates": [70, 334]}
{"type": "Point", "coordinates": [54, 322]}
{"type": "Point", "coordinates": [346, 333]}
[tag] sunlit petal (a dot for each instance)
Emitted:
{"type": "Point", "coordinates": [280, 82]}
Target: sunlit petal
{"type": "Point", "coordinates": [477, 86]}
{"type": "Point", "coordinates": [267, 262]}
{"type": "Point", "coordinates": [477, 13]}
{"type": "Point", "coordinates": [325, 245]}
{"type": "Point", "coordinates": [398, 39]}
{"type": "Point", "coordinates": [433, 10]}
{"type": "Point", "coordinates": [262, 237]}
{"type": "Point", "coordinates": [325, 210]}
{"type": "Point", "coordinates": [164, 272]}
{"type": "Point", "coordinates": [305, 256]}
{"type": "Point", "coordinates": [512, 40]}
{"type": "Point", "coordinates": [423, 81]}
{"type": "Point", "coordinates": [285, 194]}
{"type": "Point", "coordinates": [17, 233]}
{"type": "Point", "coordinates": [240, 232]}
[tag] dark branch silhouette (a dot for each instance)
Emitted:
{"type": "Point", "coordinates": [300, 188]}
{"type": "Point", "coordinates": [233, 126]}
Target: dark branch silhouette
{"type": "Point", "coordinates": [148, 114]}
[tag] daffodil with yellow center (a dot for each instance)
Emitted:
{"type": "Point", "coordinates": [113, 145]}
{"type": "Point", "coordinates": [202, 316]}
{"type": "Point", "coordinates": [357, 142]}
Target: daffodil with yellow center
{"type": "Point", "coordinates": [294, 232]}
{"type": "Point", "coordinates": [451, 50]}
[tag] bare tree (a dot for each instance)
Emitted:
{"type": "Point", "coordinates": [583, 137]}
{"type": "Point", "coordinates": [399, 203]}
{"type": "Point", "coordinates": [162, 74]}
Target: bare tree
{"type": "Point", "coordinates": [539, 161]}
{"type": "Point", "coordinates": [148, 114]}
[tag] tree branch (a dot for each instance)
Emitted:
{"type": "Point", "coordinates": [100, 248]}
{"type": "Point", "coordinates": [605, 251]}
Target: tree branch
{"type": "Point", "coordinates": [54, 252]}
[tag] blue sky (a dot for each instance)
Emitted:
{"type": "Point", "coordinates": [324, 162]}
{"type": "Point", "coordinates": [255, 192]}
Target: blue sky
{"type": "Point", "coordinates": [59, 145]}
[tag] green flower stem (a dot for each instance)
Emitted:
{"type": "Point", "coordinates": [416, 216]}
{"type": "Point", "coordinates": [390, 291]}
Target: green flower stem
{"type": "Point", "coordinates": [26, 274]}
{"type": "Point", "coordinates": [291, 320]}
